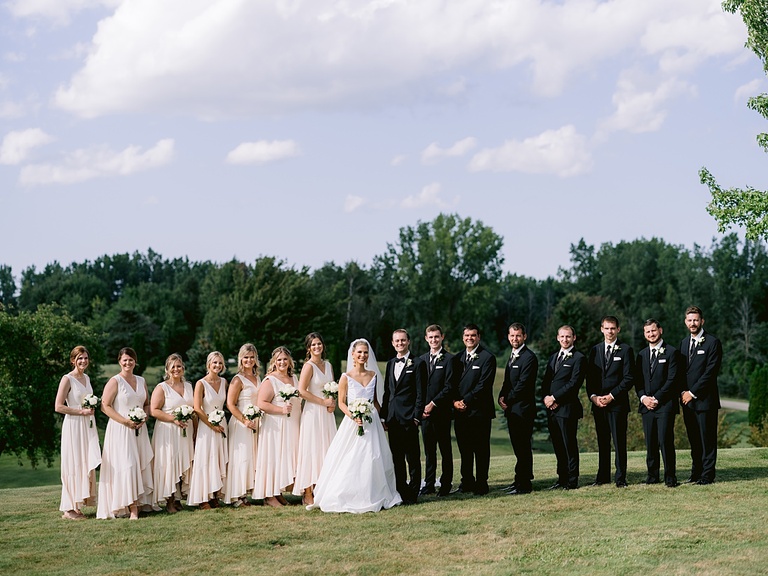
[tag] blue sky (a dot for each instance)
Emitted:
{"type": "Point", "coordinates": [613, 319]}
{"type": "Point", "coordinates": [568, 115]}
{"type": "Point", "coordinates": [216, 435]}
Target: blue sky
{"type": "Point", "coordinates": [314, 130]}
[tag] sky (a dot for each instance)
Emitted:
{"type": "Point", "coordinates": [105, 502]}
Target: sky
{"type": "Point", "coordinates": [314, 130]}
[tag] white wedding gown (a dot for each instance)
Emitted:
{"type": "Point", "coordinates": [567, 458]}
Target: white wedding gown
{"type": "Point", "coordinates": [358, 474]}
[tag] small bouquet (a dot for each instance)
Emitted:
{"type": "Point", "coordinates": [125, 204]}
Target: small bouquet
{"type": "Point", "coordinates": [363, 409]}
{"type": "Point", "coordinates": [251, 413]}
{"type": "Point", "coordinates": [137, 415]}
{"type": "Point", "coordinates": [183, 413]}
{"type": "Point", "coordinates": [287, 392]}
{"type": "Point", "coordinates": [90, 402]}
{"type": "Point", "coordinates": [331, 390]}
{"type": "Point", "coordinates": [218, 418]}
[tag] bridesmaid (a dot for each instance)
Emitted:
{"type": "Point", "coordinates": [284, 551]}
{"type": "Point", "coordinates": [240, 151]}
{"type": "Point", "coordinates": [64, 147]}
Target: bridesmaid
{"type": "Point", "coordinates": [80, 453]}
{"type": "Point", "coordinates": [242, 435]}
{"type": "Point", "coordinates": [279, 442]}
{"type": "Point", "coordinates": [125, 482]}
{"type": "Point", "coordinates": [210, 467]}
{"type": "Point", "coordinates": [318, 424]}
{"type": "Point", "coordinates": [174, 451]}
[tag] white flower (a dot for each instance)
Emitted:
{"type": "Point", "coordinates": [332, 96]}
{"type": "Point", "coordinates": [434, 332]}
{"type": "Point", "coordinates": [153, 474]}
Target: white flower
{"type": "Point", "coordinates": [331, 390]}
{"type": "Point", "coordinates": [251, 412]}
{"type": "Point", "coordinates": [409, 363]}
{"type": "Point", "coordinates": [568, 355]}
{"type": "Point", "coordinates": [661, 351]}
{"type": "Point", "coordinates": [218, 418]}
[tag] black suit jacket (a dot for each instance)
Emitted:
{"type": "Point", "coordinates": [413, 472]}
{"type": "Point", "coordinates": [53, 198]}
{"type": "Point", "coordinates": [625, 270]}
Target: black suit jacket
{"type": "Point", "coordinates": [474, 383]}
{"type": "Point", "coordinates": [617, 379]}
{"type": "Point", "coordinates": [439, 384]}
{"type": "Point", "coordinates": [519, 388]}
{"type": "Point", "coordinates": [701, 372]}
{"type": "Point", "coordinates": [663, 383]}
{"type": "Point", "coordinates": [564, 384]}
{"type": "Point", "coordinates": [404, 399]}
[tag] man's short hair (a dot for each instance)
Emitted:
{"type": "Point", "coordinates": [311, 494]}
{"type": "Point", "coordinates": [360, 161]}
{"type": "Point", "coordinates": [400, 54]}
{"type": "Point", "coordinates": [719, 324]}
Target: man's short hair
{"type": "Point", "coordinates": [567, 327]}
{"type": "Point", "coordinates": [611, 319]}
{"type": "Point", "coordinates": [694, 310]}
{"type": "Point", "coordinates": [651, 321]}
{"type": "Point", "coordinates": [471, 327]}
{"type": "Point", "coordinates": [434, 328]}
{"type": "Point", "coordinates": [516, 326]}
{"type": "Point", "coordinates": [404, 331]}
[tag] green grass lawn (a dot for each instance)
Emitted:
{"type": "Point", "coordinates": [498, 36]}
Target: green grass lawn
{"type": "Point", "coordinates": [718, 529]}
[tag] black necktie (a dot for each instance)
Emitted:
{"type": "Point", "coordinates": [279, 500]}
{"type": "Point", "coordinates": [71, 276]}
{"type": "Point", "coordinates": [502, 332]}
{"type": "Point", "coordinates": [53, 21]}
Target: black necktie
{"type": "Point", "coordinates": [691, 348]}
{"type": "Point", "coordinates": [559, 361]}
{"type": "Point", "coordinates": [398, 360]}
{"type": "Point", "coordinates": [607, 357]}
{"type": "Point", "coordinates": [432, 362]}
{"type": "Point", "coordinates": [654, 359]}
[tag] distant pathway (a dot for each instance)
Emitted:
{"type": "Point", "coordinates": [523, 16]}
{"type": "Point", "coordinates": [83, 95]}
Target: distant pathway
{"type": "Point", "coordinates": [735, 405]}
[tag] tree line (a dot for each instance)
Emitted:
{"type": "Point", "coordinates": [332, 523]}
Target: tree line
{"type": "Point", "coordinates": [447, 271]}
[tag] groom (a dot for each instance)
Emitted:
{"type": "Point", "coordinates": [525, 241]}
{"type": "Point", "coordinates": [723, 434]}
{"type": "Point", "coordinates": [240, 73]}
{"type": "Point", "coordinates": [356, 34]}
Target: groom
{"type": "Point", "coordinates": [401, 411]}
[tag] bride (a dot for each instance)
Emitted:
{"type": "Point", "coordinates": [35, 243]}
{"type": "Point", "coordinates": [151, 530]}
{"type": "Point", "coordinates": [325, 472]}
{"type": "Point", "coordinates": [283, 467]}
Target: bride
{"type": "Point", "coordinates": [358, 474]}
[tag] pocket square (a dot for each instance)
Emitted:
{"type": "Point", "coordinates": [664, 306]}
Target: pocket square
{"type": "Point", "coordinates": [439, 367]}
{"type": "Point", "coordinates": [566, 365]}
{"type": "Point", "coordinates": [475, 367]}
{"type": "Point", "coordinates": [409, 371]}
{"type": "Point", "coordinates": [616, 358]}
{"type": "Point", "coordinates": [662, 360]}
{"type": "Point", "coordinates": [513, 366]}
{"type": "Point", "coordinates": [701, 351]}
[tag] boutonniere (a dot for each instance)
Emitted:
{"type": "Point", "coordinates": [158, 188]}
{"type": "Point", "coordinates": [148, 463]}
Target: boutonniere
{"type": "Point", "coordinates": [472, 356]}
{"type": "Point", "coordinates": [661, 350]}
{"type": "Point", "coordinates": [439, 357]}
{"type": "Point", "coordinates": [615, 348]}
{"type": "Point", "coordinates": [700, 341]}
{"type": "Point", "coordinates": [567, 354]}
{"type": "Point", "coordinates": [409, 363]}
{"type": "Point", "coordinates": [515, 356]}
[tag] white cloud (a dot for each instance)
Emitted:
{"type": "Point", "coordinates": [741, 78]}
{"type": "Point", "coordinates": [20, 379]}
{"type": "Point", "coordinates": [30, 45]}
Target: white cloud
{"type": "Point", "coordinates": [10, 109]}
{"type": "Point", "coordinates": [263, 151]}
{"type": "Point", "coordinates": [746, 91]}
{"type": "Point", "coordinates": [17, 145]}
{"type": "Point", "coordinates": [563, 152]}
{"type": "Point", "coordinates": [398, 160]}
{"type": "Point", "coordinates": [429, 196]}
{"type": "Point", "coordinates": [352, 203]}
{"type": "Point", "coordinates": [433, 152]}
{"type": "Point", "coordinates": [87, 164]}
{"type": "Point", "coordinates": [207, 58]}
{"type": "Point", "coordinates": [59, 11]}
{"type": "Point", "coordinates": [638, 110]}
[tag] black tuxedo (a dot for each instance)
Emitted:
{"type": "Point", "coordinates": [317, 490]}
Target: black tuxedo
{"type": "Point", "coordinates": [702, 365]}
{"type": "Point", "coordinates": [474, 385]}
{"type": "Point", "coordinates": [659, 424]}
{"type": "Point", "coordinates": [436, 428]}
{"type": "Point", "coordinates": [615, 377]}
{"type": "Point", "coordinates": [519, 394]}
{"type": "Point", "coordinates": [403, 403]}
{"type": "Point", "coordinates": [564, 383]}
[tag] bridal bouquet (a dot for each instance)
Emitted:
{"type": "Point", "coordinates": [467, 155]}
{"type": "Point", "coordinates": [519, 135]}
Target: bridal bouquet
{"type": "Point", "coordinates": [251, 413]}
{"type": "Point", "coordinates": [183, 413]}
{"type": "Point", "coordinates": [218, 418]}
{"type": "Point", "coordinates": [90, 402]}
{"type": "Point", "coordinates": [137, 415]}
{"type": "Point", "coordinates": [363, 409]}
{"type": "Point", "coordinates": [331, 390]}
{"type": "Point", "coordinates": [287, 392]}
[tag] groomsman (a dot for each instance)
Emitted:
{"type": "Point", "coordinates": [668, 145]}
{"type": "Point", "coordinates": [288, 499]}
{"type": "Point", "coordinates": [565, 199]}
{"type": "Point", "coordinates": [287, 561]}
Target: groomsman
{"type": "Point", "coordinates": [610, 371]}
{"type": "Point", "coordinates": [560, 389]}
{"type": "Point", "coordinates": [702, 355]}
{"type": "Point", "coordinates": [402, 407]}
{"type": "Point", "coordinates": [656, 386]}
{"type": "Point", "coordinates": [474, 410]}
{"type": "Point", "coordinates": [518, 400]}
{"type": "Point", "coordinates": [436, 419]}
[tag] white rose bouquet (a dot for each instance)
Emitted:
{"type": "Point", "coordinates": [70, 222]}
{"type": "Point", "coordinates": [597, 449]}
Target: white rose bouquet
{"type": "Point", "coordinates": [287, 392]}
{"type": "Point", "coordinates": [90, 402]}
{"type": "Point", "coordinates": [363, 409]}
{"type": "Point", "coordinates": [183, 413]}
{"type": "Point", "coordinates": [251, 413]}
{"type": "Point", "coordinates": [331, 390]}
{"type": "Point", "coordinates": [137, 415]}
{"type": "Point", "coordinates": [218, 418]}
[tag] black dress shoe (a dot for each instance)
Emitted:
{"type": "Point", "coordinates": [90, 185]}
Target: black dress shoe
{"type": "Point", "coordinates": [481, 490]}
{"type": "Point", "coordinates": [426, 490]}
{"type": "Point", "coordinates": [621, 484]}
{"type": "Point", "coordinates": [572, 487]}
{"type": "Point", "coordinates": [462, 490]}
{"type": "Point", "coordinates": [556, 486]}
{"type": "Point", "coordinates": [597, 483]}
{"type": "Point", "coordinates": [508, 487]}
{"type": "Point", "coordinates": [672, 484]}
{"type": "Point", "coordinates": [692, 480]}
{"type": "Point", "coordinates": [517, 491]}
{"type": "Point", "coordinates": [651, 481]}
{"type": "Point", "coordinates": [703, 482]}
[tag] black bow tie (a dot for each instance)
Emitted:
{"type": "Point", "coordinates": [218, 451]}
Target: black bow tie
{"type": "Point", "coordinates": [399, 359]}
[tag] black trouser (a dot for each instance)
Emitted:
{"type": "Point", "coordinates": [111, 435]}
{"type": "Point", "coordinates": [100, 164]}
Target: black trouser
{"type": "Point", "coordinates": [659, 429]}
{"type": "Point", "coordinates": [436, 431]}
{"type": "Point", "coordinates": [702, 434]}
{"type": "Point", "coordinates": [404, 443]}
{"type": "Point", "coordinates": [611, 425]}
{"type": "Point", "coordinates": [473, 436]}
{"type": "Point", "coordinates": [563, 434]}
{"type": "Point", "coordinates": [520, 433]}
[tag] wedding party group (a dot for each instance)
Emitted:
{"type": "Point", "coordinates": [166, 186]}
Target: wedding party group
{"type": "Point", "coordinates": [282, 437]}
